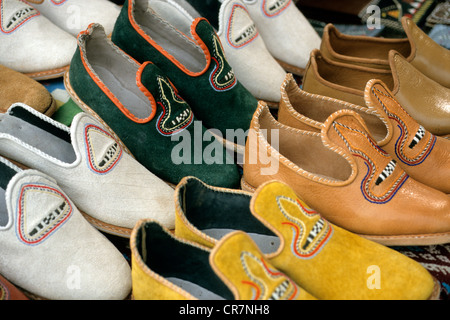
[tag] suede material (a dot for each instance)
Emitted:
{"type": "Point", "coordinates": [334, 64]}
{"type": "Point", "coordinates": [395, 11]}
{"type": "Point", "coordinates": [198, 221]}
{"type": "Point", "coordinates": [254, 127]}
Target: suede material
{"type": "Point", "coordinates": [234, 270]}
{"type": "Point", "coordinates": [253, 277]}
{"type": "Point", "coordinates": [110, 187]}
{"type": "Point", "coordinates": [45, 50]}
{"type": "Point", "coordinates": [157, 153]}
{"type": "Point", "coordinates": [327, 261]}
{"type": "Point", "coordinates": [287, 33]}
{"type": "Point", "coordinates": [143, 284]}
{"type": "Point", "coordinates": [341, 257]}
{"type": "Point", "coordinates": [222, 109]}
{"type": "Point", "coordinates": [62, 14]}
{"type": "Point", "coordinates": [17, 87]}
{"type": "Point", "coordinates": [253, 65]}
{"type": "Point", "coordinates": [33, 243]}
{"type": "Point", "coordinates": [182, 261]}
{"type": "Point", "coordinates": [197, 200]}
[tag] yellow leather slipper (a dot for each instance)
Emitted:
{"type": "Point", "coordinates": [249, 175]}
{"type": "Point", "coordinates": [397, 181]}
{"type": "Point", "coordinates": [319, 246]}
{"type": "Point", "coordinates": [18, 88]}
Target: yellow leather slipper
{"type": "Point", "coordinates": [324, 259]}
{"type": "Point", "coordinates": [165, 267]}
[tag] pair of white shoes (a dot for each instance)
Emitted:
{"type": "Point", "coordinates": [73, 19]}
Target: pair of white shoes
{"type": "Point", "coordinates": [38, 37]}
{"type": "Point", "coordinates": [80, 181]}
{"type": "Point", "coordinates": [262, 39]}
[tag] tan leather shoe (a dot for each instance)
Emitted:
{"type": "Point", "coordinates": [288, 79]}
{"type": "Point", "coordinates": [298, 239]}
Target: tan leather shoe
{"type": "Point", "coordinates": [17, 87]}
{"type": "Point", "coordinates": [342, 173]}
{"type": "Point", "coordinates": [424, 156]}
{"type": "Point", "coordinates": [418, 48]}
{"type": "Point", "coordinates": [424, 99]}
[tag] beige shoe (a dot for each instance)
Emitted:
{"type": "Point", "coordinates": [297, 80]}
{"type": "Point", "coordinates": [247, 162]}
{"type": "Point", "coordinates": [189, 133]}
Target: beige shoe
{"type": "Point", "coordinates": [421, 154]}
{"type": "Point", "coordinates": [32, 44]}
{"type": "Point", "coordinates": [418, 48]}
{"type": "Point", "coordinates": [287, 33]}
{"type": "Point", "coordinates": [74, 16]}
{"type": "Point", "coordinates": [17, 87]}
{"type": "Point", "coordinates": [342, 173]}
{"type": "Point", "coordinates": [424, 99]}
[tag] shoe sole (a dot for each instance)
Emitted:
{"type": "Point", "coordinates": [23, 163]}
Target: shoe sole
{"type": "Point", "coordinates": [395, 240]}
{"type": "Point", "coordinates": [50, 74]}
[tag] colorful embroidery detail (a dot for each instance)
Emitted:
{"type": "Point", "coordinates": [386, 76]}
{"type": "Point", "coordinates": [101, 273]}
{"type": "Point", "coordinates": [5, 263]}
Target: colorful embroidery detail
{"type": "Point", "coordinates": [32, 232]}
{"type": "Point", "coordinates": [402, 141]}
{"type": "Point", "coordinates": [239, 38]}
{"type": "Point", "coordinates": [369, 178]}
{"type": "Point", "coordinates": [306, 242]}
{"type": "Point", "coordinates": [222, 77]}
{"type": "Point", "coordinates": [21, 16]}
{"type": "Point", "coordinates": [176, 114]}
{"type": "Point", "coordinates": [272, 8]}
{"type": "Point", "coordinates": [262, 279]}
{"type": "Point", "coordinates": [101, 159]}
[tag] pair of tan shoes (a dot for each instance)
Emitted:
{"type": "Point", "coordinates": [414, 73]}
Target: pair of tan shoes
{"type": "Point", "coordinates": [370, 169]}
{"type": "Point", "coordinates": [416, 69]}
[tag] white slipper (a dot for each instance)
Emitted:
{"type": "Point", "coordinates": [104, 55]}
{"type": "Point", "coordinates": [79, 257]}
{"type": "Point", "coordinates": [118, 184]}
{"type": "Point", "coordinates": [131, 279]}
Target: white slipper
{"type": "Point", "coordinates": [32, 44]}
{"type": "Point", "coordinates": [287, 33]}
{"type": "Point", "coordinates": [48, 249]}
{"type": "Point", "coordinates": [74, 16]}
{"type": "Point", "coordinates": [108, 186]}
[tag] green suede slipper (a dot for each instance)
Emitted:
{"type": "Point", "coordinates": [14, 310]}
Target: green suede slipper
{"type": "Point", "coordinates": [196, 65]}
{"type": "Point", "coordinates": [145, 113]}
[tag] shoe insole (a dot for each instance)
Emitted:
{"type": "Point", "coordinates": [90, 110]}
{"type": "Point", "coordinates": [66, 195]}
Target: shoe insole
{"type": "Point", "coordinates": [194, 289]}
{"type": "Point", "coordinates": [266, 243]}
{"type": "Point", "coordinates": [37, 138]}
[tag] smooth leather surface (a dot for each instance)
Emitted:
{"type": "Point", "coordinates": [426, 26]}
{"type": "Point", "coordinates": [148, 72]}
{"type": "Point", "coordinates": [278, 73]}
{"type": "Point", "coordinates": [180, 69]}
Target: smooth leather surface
{"type": "Point", "coordinates": [418, 48]}
{"type": "Point", "coordinates": [340, 180]}
{"type": "Point", "coordinates": [423, 156]}
{"type": "Point", "coordinates": [424, 99]}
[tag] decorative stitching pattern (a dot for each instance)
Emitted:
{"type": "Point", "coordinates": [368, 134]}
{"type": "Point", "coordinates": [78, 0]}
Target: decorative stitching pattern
{"type": "Point", "coordinates": [386, 172]}
{"type": "Point", "coordinates": [4, 292]}
{"type": "Point", "coordinates": [246, 37]}
{"type": "Point", "coordinates": [366, 183]}
{"type": "Point", "coordinates": [55, 218]}
{"type": "Point", "coordinates": [58, 2]}
{"type": "Point", "coordinates": [19, 18]}
{"type": "Point", "coordinates": [419, 136]}
{"type": "Point", "coordinates": [287, 290]}
{"type": "Point", "coordinates": [401, 142]}
{"type": "Point", "coordinates": [305, 245]}
{"type": "Point", "coordinates": [274, 8]}
{"type": "Point", "coordinates": [109, 157]}
{"type": "Point", "coordinates": [176, 115]}
{"type": "Point", "coordinates": [262, 142]}
{"type": "Point", "coordinates": [222, 76]}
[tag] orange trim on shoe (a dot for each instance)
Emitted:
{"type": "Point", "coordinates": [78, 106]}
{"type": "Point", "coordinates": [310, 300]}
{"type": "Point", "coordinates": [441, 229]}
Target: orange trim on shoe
{"type": "Point", "coordinates": [113, 98]}
{"type": "Point", "coordinates": [146, 92]}
{"type": "Point", "coordinates": [164, 52]}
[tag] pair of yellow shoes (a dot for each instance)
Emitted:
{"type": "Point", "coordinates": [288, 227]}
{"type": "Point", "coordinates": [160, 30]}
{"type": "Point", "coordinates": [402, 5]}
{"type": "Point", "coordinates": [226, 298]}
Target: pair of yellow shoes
{"type": "Point", "coordinates": [231, 244]}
